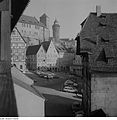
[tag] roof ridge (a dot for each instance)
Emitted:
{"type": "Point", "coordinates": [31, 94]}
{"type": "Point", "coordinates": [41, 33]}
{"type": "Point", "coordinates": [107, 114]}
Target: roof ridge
{"type": "Point", "coordinates": [104, 13]}
{"type": "Point", "coordinates": [32, 50]}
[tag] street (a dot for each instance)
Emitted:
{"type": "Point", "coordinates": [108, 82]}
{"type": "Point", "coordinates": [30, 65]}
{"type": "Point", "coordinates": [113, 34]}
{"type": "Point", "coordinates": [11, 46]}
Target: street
{"type": "Point", "coordinates": [58, 103]}
{"type": "Point", "coordinates": [55, 83]}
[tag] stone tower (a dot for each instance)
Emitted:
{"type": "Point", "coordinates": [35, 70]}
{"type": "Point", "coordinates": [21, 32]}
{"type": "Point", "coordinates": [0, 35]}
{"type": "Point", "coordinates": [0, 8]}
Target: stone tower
{"type": "Point", "coordinates": [45, 20]}
{"type": "Point", "coordinates": [56, 30]}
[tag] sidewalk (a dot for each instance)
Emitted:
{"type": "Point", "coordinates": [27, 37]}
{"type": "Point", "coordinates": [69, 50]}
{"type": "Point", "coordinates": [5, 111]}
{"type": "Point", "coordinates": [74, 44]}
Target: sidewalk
{"type": "Point", "coordinates": [50, 91]}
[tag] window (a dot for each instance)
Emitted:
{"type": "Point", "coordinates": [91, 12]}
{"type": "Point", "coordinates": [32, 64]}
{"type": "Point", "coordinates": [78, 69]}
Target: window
{"type": "Point", "coordinates": [29, 26]}
{"type": "Point", "coordinates": [21, 67]}
{"type": "Point", "coordinates": [29, 32]}
{"type": "Point", "coordinates": [21, 50]}
{"type": "Point", "coordinates": [14, 50]}
{"type": "Point", "coordinates": [13, 32]}
{"type": "Point", "coordinates": [13, 44]}
{"type": "Point", "coordinates": [24, 24]}
{"type": "Point", "coordinates": [15, 58]}
{"type": "Point", "coordinates": [102, 24]}
{"type": "Point", "coordinates": [20, 44]}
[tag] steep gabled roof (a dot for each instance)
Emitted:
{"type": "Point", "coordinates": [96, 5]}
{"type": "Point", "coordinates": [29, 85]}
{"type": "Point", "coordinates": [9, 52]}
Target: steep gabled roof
{"type": "Point", "coordinates": [59, 47]}
{"type": "Point", "coordinates": [65, 39]}
{"type": "Point", "coordinates": [104, 24]}
{"type": "Point", "coordinates": [45, 45]}
{"type": "Point", "coordinates": [32, 50]}
{"type": "Point", "coordinates": [99, 28]}
{"type": "Point", "coordinates": [29, 20]}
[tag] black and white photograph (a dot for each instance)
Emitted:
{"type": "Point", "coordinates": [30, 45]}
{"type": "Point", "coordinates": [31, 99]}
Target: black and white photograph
{"type": "Point", "coordinates": [58, 58]}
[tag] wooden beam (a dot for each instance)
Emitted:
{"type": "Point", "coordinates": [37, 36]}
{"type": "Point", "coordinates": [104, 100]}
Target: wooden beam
{"type": "Point", "coordinates": [8, 106]}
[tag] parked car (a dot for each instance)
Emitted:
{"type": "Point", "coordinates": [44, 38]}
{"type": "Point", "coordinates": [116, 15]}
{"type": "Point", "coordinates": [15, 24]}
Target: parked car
{"type": "Point", "coordinates": [70, 89]}
{"type": "Point", "coordinates": [79, 114]}
{"type": "Point", "coordinates": [76, 108]}
{"type": "Point", "coordinates": [70, 83]}
{"type": "Point", "coordinates": [50, 76]}
{"type": "Point", "coordinates": [75, 84]}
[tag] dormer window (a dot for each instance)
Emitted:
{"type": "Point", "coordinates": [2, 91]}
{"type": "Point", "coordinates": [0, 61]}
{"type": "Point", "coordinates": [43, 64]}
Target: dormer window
{"type": "Point", "coordinates": [102, 24]}
{"type": "Point", "coordinates": [103, 40]}
{"type": "Point", "coordinates": [102, 16]}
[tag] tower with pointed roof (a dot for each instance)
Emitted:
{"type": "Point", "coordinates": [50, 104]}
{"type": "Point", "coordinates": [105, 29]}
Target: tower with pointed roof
{"type": "Point", "coordinates": [56, 30]}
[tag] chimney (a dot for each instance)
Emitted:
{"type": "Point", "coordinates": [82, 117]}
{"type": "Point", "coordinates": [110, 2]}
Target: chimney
{"type": "Point", "coordinates": [98, 10]}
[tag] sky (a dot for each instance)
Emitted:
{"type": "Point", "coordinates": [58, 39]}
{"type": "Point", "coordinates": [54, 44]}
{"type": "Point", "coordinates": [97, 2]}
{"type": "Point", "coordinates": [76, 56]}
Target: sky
{"type": "Point", "coordinates": [69, 13]}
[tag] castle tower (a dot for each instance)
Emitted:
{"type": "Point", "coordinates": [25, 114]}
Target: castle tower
{"type": "Point", "coordinates": [45, 20]}
{"type": "Point", "coordinates": [46, 32]}
{"type": "Point", "coordinates": [56, 30]}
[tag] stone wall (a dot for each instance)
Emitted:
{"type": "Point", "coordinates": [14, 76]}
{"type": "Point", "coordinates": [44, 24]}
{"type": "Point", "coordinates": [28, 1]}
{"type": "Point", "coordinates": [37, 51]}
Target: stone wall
{"type": "Point", "coordinates": [104, 93]}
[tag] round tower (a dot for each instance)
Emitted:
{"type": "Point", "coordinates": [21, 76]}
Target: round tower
{"type": "Point", "coordinates": [56, 30]}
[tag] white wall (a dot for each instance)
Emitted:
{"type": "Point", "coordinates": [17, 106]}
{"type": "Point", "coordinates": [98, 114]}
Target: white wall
{"type": "Point", "coordinates": [20, 76]}
{"type": "Point", "coordinates": [41, 56]}
{"type": "Point", "coordinates": [51, 55]}
{"type": "Point", "coordinates": [28, 104]}
{"type": "Point", "coordinates": [104, 93]}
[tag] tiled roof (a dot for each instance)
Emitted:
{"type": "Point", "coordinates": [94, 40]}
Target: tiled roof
{"type": "Point", "coordinates": [32, 50]}
{"type": "Point", "coordinates": [59, 47]}
{"type": "Point", "coordinates": [105, 26]}
{"type": "Point", "coordinates": [30, 20]}
{"type": "Point", "coordinates": [65, 39]}
{"type": "Point", "coordinates": [70, 50]}
{"type": "Point", "coordinates": [99, 35]}
{"type": "Point", "coordinates": [44, 15]}
{"type": "Point", "coordinates": [45, 45]}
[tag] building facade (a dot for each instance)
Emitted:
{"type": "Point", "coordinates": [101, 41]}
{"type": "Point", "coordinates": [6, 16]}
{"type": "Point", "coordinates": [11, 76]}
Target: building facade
{"type": "Point", "coordinates": [98, 37]}
{"type": "Point", "coordinates": [33, 30]}
{"type": "Point", "coordinates": [58, 58]}
{"type": "Point", "coordinates": [48, 56]}
{"type": "Point", "coordinates": [18, 47]}
{"type": "Point", "coordinates": [76, 67]}
{"type": "Point", "coordinates": [35, 57]}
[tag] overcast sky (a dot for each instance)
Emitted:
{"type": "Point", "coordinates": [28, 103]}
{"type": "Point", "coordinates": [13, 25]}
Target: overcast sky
{"type": "Point", "coordinates": [69, 13]}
